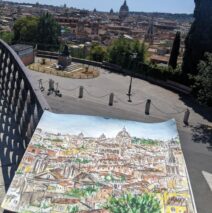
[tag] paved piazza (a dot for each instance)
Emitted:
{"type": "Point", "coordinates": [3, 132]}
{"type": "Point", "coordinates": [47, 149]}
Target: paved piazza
{"type": "Point", "coordinates": [195, 138]}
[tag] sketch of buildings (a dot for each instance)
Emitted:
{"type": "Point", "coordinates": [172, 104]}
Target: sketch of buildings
{"type": "Point", "coordinates": [77, 173]}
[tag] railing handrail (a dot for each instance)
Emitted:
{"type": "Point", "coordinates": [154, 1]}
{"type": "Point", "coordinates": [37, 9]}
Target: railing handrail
{"type": "Point", "coordinates": [42, 101]}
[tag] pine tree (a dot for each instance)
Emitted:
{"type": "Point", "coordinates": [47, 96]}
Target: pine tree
{"type": "Point", "coordinates": [175, 51]}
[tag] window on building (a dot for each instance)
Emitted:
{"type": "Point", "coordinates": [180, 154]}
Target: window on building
{"type": "Point", "coordinates": [173, 210]}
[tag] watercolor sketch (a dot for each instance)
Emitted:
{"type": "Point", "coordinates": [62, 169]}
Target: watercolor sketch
{"type": "Point", "coordinates": [78, 163]}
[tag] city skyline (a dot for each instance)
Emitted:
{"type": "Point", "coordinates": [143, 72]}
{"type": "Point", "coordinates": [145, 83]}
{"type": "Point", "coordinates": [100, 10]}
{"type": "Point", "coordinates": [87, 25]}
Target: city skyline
{"type": "Point", "coordinates": [93, 126]}
{"type": "Point", "coordinates": [169, 6]}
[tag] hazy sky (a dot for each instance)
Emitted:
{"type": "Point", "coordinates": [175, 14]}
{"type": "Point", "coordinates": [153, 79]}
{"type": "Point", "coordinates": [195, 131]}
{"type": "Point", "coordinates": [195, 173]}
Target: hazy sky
{"type": "Point", "coordinates": [92, 126]}
{"type": "Point", "coordinates": [173, 6]}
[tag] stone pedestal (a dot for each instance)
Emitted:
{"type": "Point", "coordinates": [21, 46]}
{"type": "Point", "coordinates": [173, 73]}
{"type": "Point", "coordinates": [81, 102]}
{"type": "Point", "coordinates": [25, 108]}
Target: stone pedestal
{"type": "Point", "coordinates": [64, 61]}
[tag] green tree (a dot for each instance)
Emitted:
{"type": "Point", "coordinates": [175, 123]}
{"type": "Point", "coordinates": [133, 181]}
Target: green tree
{"type": "Point", "coordinates": [175, 51]}
{"type": "Point", "coordinates": [25, 29]}
{"type": "Point", "coordinates": [48, 32]}
{"type": "Point", "coordinates": [134, 204]}
{"type": "Point", "coordinates": [141, 51]}
{"type": "Point", "coordinates": [6, 36]}
{"type": "Point", "coordinates": [121, 50]}
{"type": "Point", "coordinates": [73, 209]}
{"type": "Point", "coordinates": [199, 39]}
{"type": "Point", "coordinates": [202, 87]}
{"type": "Point", "coordinates": [97, 53]}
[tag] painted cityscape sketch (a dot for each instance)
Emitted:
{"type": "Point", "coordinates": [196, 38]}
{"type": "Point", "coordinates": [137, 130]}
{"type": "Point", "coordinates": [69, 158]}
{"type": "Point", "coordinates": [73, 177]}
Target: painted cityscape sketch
{"type": "Point", "coordinates": [78, 163]}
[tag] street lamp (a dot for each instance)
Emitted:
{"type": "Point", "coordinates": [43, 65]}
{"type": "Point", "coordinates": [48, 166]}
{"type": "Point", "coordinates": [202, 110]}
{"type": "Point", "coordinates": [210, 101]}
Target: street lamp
{"type": "Point", "coordinates": [129, 94]}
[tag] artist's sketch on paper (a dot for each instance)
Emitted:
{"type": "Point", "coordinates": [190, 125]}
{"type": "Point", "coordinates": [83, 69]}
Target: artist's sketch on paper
{"type": "Point", "coordinates": [91, 164]}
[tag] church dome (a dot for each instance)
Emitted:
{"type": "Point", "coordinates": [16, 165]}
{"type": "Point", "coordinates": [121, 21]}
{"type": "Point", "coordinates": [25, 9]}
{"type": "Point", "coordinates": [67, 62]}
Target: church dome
{"type": "Point", "coordinates": [123, 137]}
{"type": "Point", "coordinates": [123, 134]}
{"type": "Point", "coordinates": [124, 10]}
{"type": "Point", "coordinates": [102, 137]}
{"type": "Point", "coordinates": [81, 136]}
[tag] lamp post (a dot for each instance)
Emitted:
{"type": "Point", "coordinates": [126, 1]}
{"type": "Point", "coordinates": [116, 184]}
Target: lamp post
{"type": "Point", "coordinates": [129, 94]}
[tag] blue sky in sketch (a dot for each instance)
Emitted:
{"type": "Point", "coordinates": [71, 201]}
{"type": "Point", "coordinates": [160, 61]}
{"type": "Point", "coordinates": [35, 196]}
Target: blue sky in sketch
{"type": "Point", "coordinates": [92, 126]}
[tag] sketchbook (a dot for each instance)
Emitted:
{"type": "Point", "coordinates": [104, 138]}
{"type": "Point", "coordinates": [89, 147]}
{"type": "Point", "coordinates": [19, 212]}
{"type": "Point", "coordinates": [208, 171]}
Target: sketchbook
{"type": "Point", "coordinates": [77, 163]}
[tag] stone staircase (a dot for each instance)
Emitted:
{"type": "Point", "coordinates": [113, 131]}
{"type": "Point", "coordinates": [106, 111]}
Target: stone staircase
{"type": "Point", "coordinates": [73, 67]}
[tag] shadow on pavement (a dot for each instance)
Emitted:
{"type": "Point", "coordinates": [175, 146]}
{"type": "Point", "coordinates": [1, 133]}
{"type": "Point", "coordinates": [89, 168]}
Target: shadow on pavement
{"type": "Point", "coordinates": [203, 134]}
{"type": "Point", "coordinates": [205, 112]}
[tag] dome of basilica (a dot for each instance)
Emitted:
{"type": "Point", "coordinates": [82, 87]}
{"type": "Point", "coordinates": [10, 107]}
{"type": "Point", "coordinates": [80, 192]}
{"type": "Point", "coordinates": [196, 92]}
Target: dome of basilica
{"type": "Point", "coordinates": [123, 134]}
{"type": "Point", "coordinates": [124, 10]}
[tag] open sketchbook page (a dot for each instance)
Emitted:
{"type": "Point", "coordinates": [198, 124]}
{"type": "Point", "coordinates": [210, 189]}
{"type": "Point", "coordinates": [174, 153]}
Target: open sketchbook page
{"type": "Point", "coordinates": [78, 163]}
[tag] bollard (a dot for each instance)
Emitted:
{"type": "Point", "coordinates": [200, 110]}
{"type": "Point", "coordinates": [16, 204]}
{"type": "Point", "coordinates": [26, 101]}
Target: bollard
{"type": "Point", "coordinates": [186, 117]}
{"type": "Point", "coordinates": [81, 92]}
{"type": "Point", "coordinates": [57, 91]}
{"type": "Point", "coordinates": [41, 85]}
{"type": "Point", "coordinates": [51, 87]}
{"type": "Point", "coordinates": [147, 108]}
{"type": "Point", "coordinates": [57, 86]}
{"type": "Point", "coordinates": [111, 98]}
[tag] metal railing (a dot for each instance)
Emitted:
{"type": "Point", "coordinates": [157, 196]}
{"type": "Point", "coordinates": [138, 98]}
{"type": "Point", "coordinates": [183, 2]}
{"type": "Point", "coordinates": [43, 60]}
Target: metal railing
{"type": "Point", "coordinates": [17, 90]}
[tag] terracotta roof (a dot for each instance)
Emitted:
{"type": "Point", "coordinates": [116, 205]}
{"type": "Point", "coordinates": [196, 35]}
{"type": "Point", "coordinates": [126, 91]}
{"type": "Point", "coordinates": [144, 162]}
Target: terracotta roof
{"type": "Point", "coordinates": [159, 58]}
{"type": "Point", "coordinates": [65, 200]}
{"type": "Point", "coordinates": [176, 201]}
{"type": "Point", "coordinates": [55, 173]}
{"type": "Point", "coordinates": [21, 47]}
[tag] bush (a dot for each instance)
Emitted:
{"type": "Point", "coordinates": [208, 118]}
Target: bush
{"type": "Point", "coordinates": [97, 53]}
{"type": "Point", "coordinates": [202, 82]}
{"type": "Point", "coordinates": [158, 72]}
{"type": "Point", "coordinates": [129, 203]}
{"type": "Point", "coordinates": [6, 36]}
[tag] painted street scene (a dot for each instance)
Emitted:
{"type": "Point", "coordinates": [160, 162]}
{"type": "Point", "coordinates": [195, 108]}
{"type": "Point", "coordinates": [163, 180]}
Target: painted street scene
{"type": "Point", "coordinates": [83, 164]}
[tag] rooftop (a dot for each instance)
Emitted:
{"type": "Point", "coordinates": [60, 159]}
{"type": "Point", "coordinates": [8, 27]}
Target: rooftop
{"type": "Point", "coordinates": [21, 47]}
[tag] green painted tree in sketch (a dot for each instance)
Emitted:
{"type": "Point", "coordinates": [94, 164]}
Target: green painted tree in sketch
{"type": "Point", "coordinates": [129, 203]}
{"type": "Point", "coordinates": [73, 209]}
